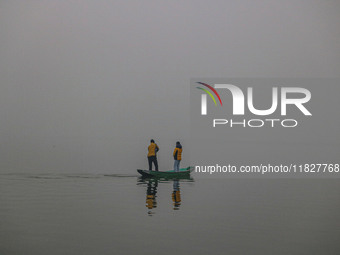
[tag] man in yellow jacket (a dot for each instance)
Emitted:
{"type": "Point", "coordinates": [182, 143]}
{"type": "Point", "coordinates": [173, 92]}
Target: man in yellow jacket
{"type": "Point", "coordinates": [152, 151]}
{"type": "Point", "coordinates": [177, 156]}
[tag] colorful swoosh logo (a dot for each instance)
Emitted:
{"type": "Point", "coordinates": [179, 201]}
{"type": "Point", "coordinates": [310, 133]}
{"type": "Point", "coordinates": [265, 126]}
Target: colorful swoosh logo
{"type": "Point", "coordinates": [209, 93]}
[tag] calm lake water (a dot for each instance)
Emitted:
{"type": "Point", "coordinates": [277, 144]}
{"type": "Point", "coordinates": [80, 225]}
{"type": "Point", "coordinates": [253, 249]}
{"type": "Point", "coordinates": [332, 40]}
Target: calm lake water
{"type": "Point", "coordinates": [115, 214]}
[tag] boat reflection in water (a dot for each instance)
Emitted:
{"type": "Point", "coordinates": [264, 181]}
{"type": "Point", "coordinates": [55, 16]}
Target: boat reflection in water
{"type": "Point", "coordinates": [152, 184]}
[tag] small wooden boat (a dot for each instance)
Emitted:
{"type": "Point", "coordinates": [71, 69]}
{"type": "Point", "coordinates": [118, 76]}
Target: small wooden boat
{"type": "Point", "coordinates": [183, 173]}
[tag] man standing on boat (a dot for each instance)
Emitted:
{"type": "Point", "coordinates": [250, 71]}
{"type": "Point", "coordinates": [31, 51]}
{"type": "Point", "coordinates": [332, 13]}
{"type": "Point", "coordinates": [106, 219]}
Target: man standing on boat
{"type": "Point", "coordinates": [177, 156]}
{"type": "Point", "coordinates": [152, 151]}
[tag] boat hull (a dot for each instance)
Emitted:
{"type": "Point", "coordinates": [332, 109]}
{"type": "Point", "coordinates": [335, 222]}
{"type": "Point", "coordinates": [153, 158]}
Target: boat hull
{"type": "Point", "coordinates": [183, 173]}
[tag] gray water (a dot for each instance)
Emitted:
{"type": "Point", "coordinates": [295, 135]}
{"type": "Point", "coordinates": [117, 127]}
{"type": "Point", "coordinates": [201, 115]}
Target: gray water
{"type": "Point", "coordinates": [119, 214]}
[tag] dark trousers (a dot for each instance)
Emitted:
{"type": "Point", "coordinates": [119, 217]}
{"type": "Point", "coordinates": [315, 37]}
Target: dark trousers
{"type": "Point", "coordinates": [154, 160]}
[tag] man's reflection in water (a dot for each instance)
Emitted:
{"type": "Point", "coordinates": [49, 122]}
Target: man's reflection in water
{"type": "Point", "coordinates": [151, 195]}
{"type": "Point", "coordinates": [176, 195]}
{"type": "Point", "coordinates": [151, 192]}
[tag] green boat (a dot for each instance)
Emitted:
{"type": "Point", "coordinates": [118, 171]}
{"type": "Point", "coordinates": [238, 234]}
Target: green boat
{"type": "Point", "coordinates": [183, 173]}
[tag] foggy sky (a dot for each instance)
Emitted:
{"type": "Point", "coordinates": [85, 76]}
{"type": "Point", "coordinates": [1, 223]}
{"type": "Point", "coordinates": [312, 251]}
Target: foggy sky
{"type": "Point", "coordinates": [84, 85]}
